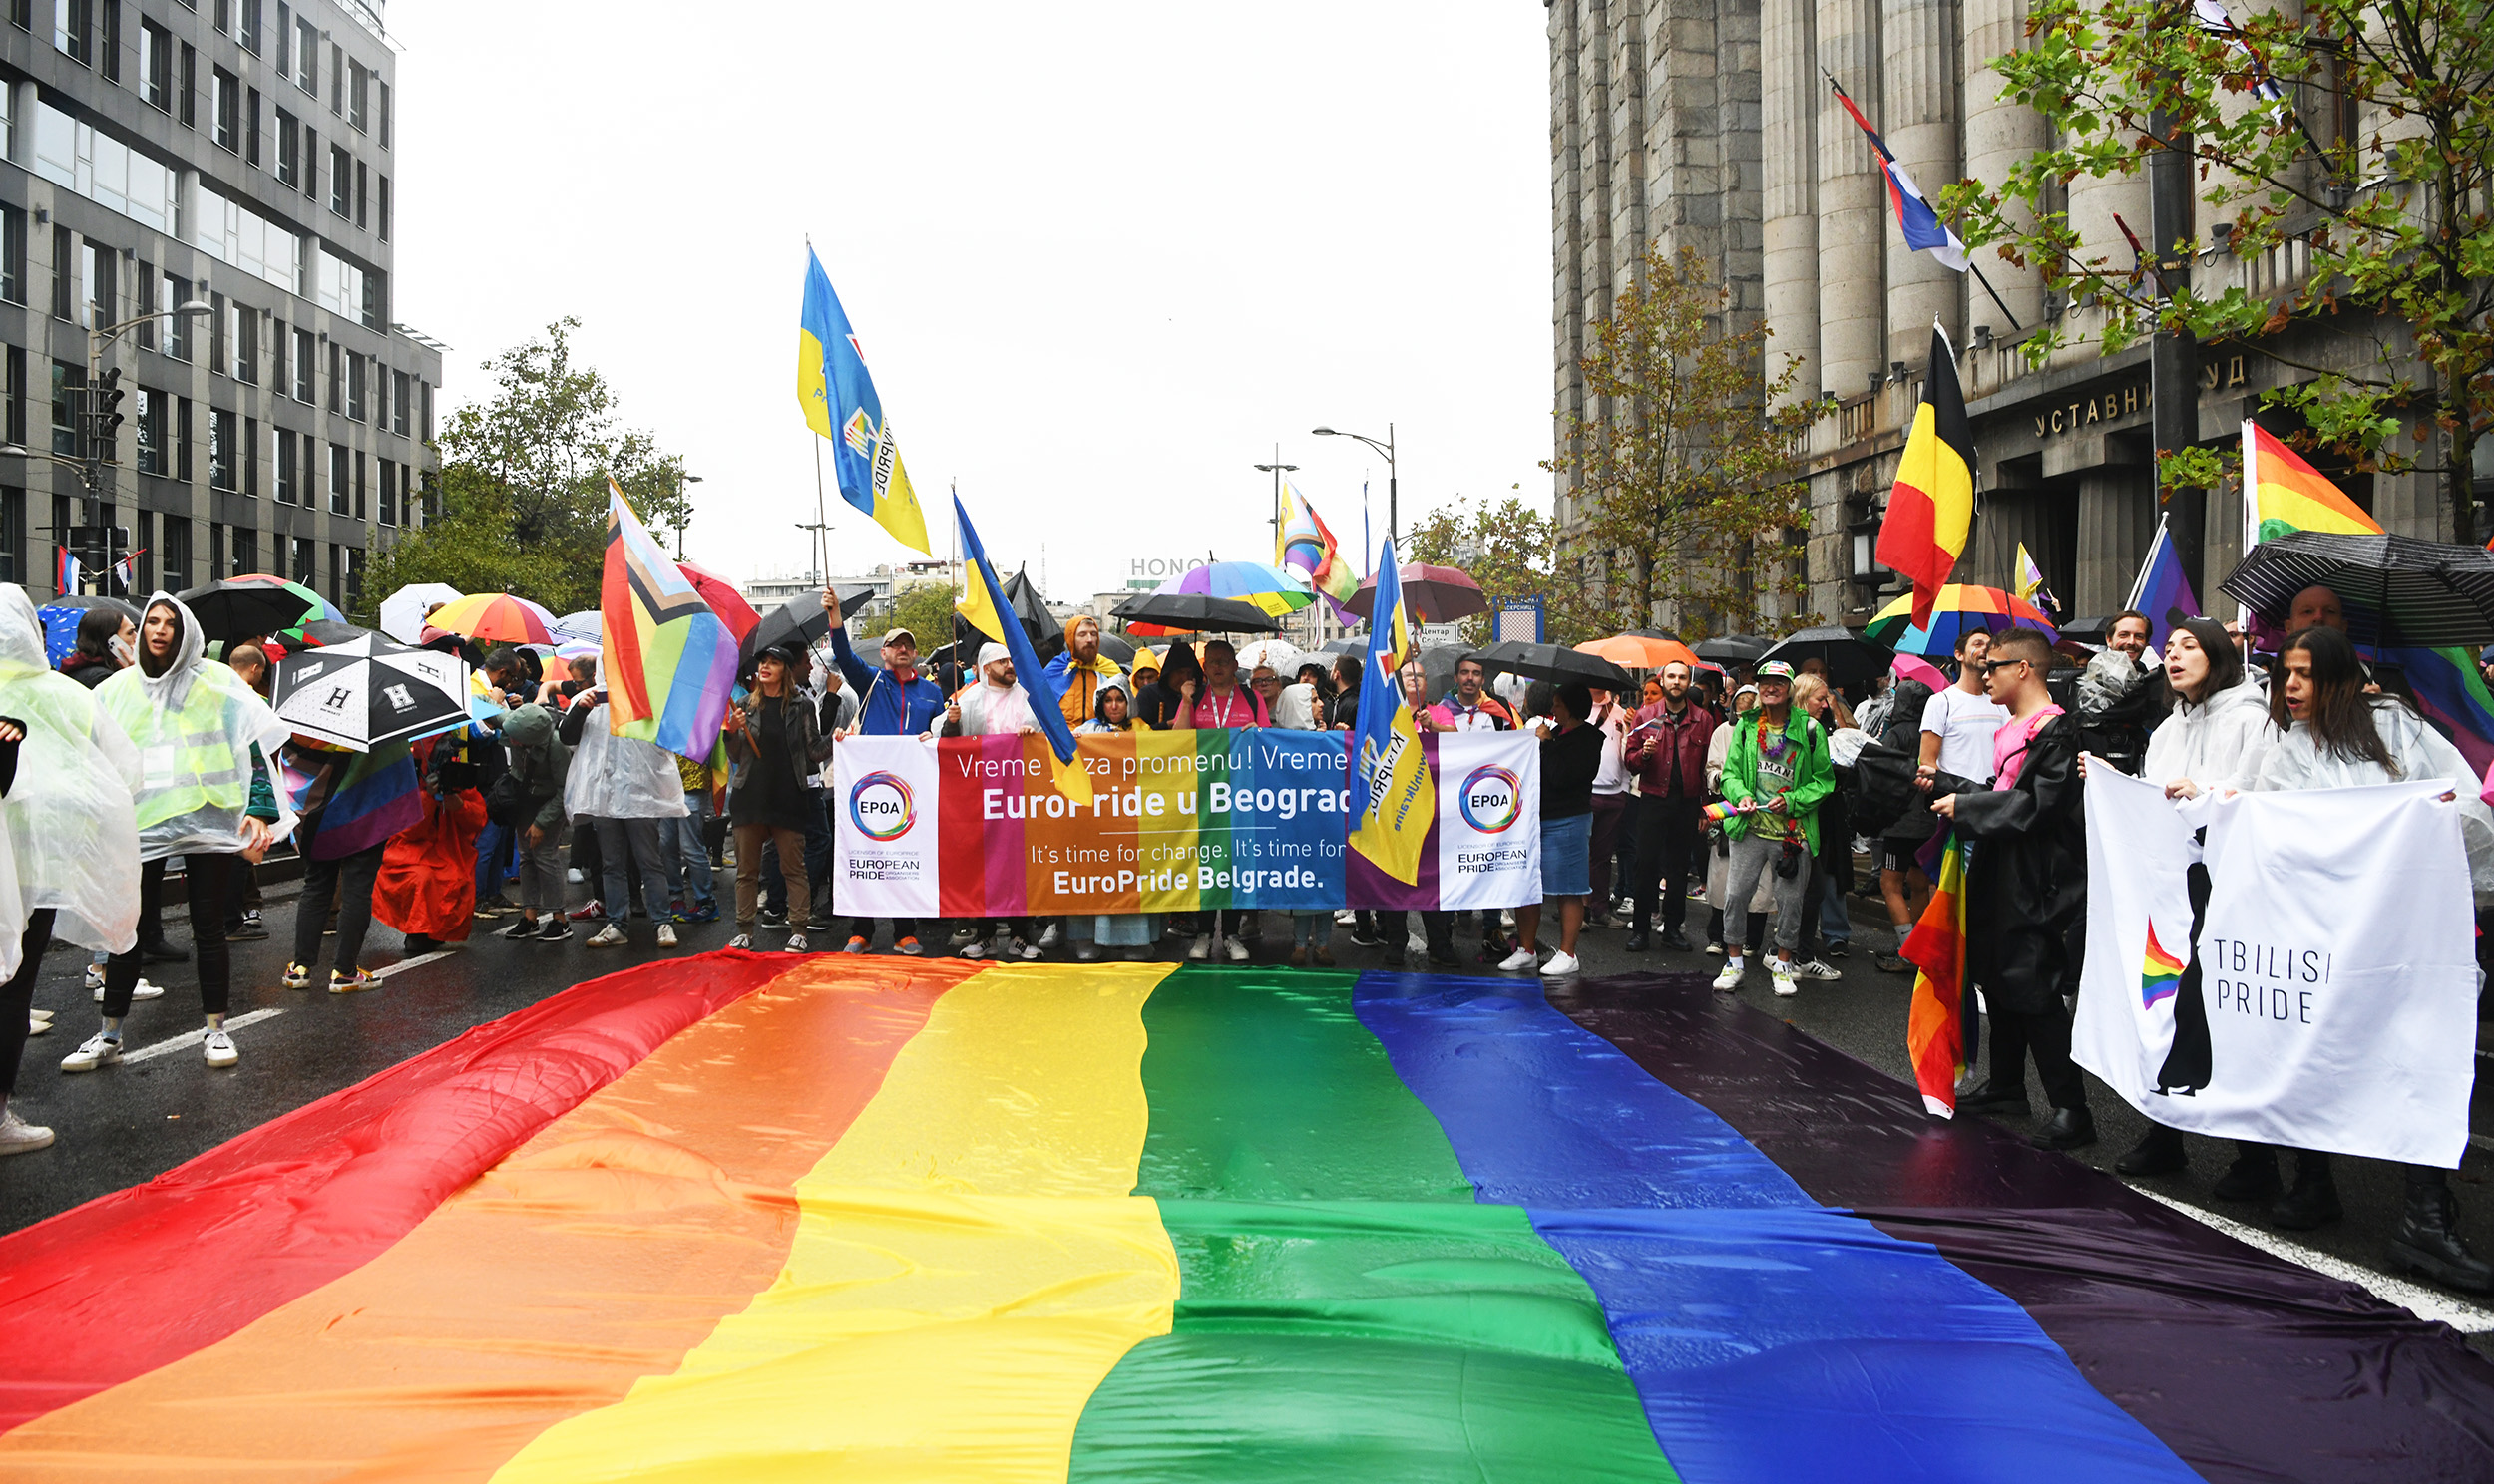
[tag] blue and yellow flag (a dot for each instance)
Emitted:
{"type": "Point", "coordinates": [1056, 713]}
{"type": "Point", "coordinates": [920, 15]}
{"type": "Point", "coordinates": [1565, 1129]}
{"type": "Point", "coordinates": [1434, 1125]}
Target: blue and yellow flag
{"type": "Point", "coordinates": [1392, 801]}
{"type": "Point", "coordinates": [840, 404]}
{"type": "Point", "coordinates": [986, 605]}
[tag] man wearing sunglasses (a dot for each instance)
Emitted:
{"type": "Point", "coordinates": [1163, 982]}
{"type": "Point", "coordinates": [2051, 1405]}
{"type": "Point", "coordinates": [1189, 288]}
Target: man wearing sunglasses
{"type": "Point", "coordinates": [2026, 891]}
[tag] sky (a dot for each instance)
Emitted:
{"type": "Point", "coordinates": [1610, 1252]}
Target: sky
{"type": "Point", "coordinates": [1102, 258]}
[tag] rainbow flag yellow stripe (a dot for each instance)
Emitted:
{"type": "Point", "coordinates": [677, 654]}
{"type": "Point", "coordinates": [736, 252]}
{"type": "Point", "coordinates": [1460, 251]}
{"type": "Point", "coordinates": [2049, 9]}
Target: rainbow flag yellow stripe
{"type": "Point", "coordinates": [2284, 493]}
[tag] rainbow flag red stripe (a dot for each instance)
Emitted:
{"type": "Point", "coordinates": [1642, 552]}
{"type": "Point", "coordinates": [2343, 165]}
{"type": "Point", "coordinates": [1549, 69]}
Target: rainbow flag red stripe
{"type": "Point", "coordinates": [1935, 1025]}
{"type": "Point", "coordinates": [2159, 973]}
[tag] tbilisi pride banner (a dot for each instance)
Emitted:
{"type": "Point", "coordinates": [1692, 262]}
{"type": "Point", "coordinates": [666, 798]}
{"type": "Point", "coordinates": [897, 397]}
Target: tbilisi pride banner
{"type": "Point", "coordinates": [1251, 819]}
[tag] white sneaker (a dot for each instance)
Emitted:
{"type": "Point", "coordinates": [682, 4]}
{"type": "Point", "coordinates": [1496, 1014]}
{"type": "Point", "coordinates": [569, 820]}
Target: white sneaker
{"type": "Point", "coordinates": [1345, 916]}
{"type": "Point", "coordinates": [965, 936]}
{"type": "Point", "coordinates": [1415, 946]}
{"type": "Point", "coordinates": [95, 978]}
{"type": "Point", "coordinates": [36, 1025]}
{"type": "Point", "coordinates": [142, 990]}
{"type": "Point", "coordinates": [741, 940]}
{"type": "Point", "coordinates": [17, 1136]}
{"type": "Point", "coordinates": [1730, 978]}
{"type": "Point", "coordinates": [609, 937]}
{"type": "Point", "coordinates": [1021, 951]}
{"type": "Point", "coordinates": [975, 950]}
{"type": "Point", "coordinates": [574, 876]}
{"type": "Point", "coordinates": [797, 944]}
{"type": "Point", "coordinates": [95, 1052]}
{"type": "Point", "coordinates": [1560, 963]}
{"type": "Point", "coordinates": [1519, 961]}
{"type": "Point", "coordinates": [1050, 938]}
{"type": "Point", "coordinates": [219, 1050]}
{"type": "Point", "coordinates": [666, 935]}
{"type": "Point", "coordinates": [1780, 973]}
{"type": "Point", "coordinates": [1238, 952]}
{"type": "Point", "coordinates": [1202, 950]}
{"type": "Point", "coordinates": [1819, 969]}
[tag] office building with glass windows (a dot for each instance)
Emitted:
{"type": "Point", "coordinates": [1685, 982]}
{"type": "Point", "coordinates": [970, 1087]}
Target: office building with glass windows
{"type": "Point", "coordinates": [235, 154]}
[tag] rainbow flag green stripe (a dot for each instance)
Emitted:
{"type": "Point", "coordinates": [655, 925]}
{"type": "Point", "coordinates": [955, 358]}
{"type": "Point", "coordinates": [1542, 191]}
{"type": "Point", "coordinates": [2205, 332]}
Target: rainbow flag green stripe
{"type": "Point", "coordinates": [1347, 1308]}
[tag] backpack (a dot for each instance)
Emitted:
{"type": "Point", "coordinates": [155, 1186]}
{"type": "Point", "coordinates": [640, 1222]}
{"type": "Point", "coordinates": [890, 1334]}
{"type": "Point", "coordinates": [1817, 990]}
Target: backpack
{"type": "Point", "coordinates": [509, 803]}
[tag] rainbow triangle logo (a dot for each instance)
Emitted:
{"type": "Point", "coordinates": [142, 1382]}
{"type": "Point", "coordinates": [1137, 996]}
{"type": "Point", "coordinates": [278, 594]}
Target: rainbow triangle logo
{"type": "Point", "coordinates": [2159, 974]}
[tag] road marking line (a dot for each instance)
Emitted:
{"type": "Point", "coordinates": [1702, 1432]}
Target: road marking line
{"type": "Point", "coordinates": [188, 1039]}
{"type": "Point", "coordinates": [2416, 1298]}
{"type": "Point", "coordinates": [408, 963]}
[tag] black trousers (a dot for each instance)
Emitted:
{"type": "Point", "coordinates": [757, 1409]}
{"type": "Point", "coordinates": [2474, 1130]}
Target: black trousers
{"type": "Point", "coordinates": [2046, 1036]}
{"type": "Point", "coordinates": [211, 880]}
{"type": "Point", "coordinates": [351, 878]}
{"type": "Point", "coordinates": [1666, 833]}
{"type": "Point", "coordinates": [18, 996]}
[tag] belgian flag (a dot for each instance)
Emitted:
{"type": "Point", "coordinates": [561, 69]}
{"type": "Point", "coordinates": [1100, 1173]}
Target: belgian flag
{"type": "Point", "coordinates": [1932, 505]}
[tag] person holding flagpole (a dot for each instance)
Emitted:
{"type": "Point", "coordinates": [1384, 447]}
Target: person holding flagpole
{"type": "Point", "coordinates": [894, 701]}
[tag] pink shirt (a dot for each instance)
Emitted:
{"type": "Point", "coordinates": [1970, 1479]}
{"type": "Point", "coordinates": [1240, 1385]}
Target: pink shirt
{"type": "Point", "coordinates": [1242, 708]}
{"type": "Point", "coordinates": [2009, 746]}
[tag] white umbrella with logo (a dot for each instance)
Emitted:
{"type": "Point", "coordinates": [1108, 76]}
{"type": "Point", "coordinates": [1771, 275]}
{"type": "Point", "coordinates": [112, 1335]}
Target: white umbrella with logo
{"type": "Point", "coordinates": [368, 691]}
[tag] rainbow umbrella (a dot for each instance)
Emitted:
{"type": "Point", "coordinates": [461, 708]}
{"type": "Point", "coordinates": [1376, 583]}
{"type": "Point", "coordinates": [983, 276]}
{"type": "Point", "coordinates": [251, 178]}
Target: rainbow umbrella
{"type": "Point", "coordinates": [1268, 588]}
{"type": "Point", "coordinates": [496, 617]}
{"type": "Point", "coordinates": [1960, 605]}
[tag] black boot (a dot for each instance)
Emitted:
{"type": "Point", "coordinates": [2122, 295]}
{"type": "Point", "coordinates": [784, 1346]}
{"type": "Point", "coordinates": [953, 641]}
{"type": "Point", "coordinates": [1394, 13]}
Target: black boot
{"type": "Point", "coordinates": [1636, 943]}
{"type": "Point", "coordinates": [2067, 1128]}
{"type": "Point", "coordinates": [2428, 1242]}
{"type": "Point", "coordinates": [2161, 1153]}
{"type": "Point", "coordinates": [2313, 1201]}
{"type": "Point", "coordinates": [1985, 1096]}
{"type": "Point", "coordinates": [1674, 941]}
{"type": "Point", "coordinates": [2251, 1177]}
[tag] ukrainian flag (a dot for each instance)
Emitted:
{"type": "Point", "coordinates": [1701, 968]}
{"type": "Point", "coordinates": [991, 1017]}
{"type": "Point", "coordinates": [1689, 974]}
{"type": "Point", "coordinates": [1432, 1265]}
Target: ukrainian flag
{"type": "Point", "coordinates": [840, 404]}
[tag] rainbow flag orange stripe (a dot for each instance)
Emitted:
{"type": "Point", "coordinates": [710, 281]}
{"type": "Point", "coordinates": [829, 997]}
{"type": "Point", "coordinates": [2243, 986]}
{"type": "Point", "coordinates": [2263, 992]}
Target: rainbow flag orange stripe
{"type": "Point", "coordinates": [1935, 1023]}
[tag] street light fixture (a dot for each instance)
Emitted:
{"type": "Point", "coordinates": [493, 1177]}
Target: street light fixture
{"type": "Point", "coordinates": [1394, 531]}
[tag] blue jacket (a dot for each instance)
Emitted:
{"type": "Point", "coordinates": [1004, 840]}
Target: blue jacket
{"type": "Point", "coordinates": [885, 708]}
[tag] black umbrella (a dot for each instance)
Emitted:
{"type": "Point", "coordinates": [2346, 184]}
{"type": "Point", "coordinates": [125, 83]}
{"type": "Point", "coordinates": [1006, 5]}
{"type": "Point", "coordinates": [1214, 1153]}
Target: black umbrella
{"type": "Point", "coordinates": [1358, 646]}
{"type": "Point", "coordinates": [1731, 649]}
{"type": "Point", "coordinates": [1853, 662]}
{"type": "Point", "coordinates": [1556, 662]}
{"type": "Point", "coordinates": [1195, 612]}
{"type": "Point", "coordinates": [368, 691]}
{"type": "Point", "coordinates": [797, 623]}
{"type": "Point", "coordinates": [233, 609]}
{"type": "Point", "coordinates": [2394, 589]}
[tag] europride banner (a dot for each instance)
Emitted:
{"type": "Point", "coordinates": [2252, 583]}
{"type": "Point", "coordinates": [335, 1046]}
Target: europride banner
{"type": "Point", "coordinates": [1247, 819]}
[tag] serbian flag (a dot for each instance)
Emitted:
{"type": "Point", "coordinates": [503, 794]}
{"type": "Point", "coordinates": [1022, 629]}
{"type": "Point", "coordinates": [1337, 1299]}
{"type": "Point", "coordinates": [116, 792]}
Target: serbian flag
{"type": "Point", "coordinates": [670, 661]}
{"type": "Point", "coordinates": [1921, 224]}
{"type": "Point", "coordinates": [1935, 1037]}
{"type": "Point", "coordinates": [65, 573]}
{"type": "Point", "coordinates": [1932, 505]}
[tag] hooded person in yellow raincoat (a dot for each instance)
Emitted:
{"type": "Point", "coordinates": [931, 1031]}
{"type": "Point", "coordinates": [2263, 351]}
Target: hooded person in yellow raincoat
{"type": "Point", "coordinates": [195, 724]}
{"type": "Point", "coordinates": [1078, 671]}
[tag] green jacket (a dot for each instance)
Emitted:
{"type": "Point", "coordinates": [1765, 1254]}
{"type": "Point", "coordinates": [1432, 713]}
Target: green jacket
{"type": "Point", "coordinates": [1813, 776]}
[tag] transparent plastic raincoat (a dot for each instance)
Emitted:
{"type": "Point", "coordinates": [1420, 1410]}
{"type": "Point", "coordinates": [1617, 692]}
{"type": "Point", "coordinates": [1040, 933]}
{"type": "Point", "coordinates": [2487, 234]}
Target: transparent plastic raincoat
{"type": "Point", "coordinates": [195, 727]}
{"type": "Point", "coordinates": [72, 825]}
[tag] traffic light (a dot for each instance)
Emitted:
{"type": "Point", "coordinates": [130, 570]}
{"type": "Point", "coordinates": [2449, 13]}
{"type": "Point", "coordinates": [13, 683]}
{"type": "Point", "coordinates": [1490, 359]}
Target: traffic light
{"type": "Point", "coordinates": [103, 417]}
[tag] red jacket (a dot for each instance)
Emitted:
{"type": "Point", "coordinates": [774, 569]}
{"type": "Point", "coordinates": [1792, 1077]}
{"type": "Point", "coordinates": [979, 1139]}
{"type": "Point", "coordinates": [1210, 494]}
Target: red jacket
{"type": "Point", "coordinates": [1649, 745]}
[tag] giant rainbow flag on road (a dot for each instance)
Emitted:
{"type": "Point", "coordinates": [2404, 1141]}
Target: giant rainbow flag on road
{"type": "Point", "coordinates": [743, 1216]}
{"type": "Point", "coordinates": [667, 658]}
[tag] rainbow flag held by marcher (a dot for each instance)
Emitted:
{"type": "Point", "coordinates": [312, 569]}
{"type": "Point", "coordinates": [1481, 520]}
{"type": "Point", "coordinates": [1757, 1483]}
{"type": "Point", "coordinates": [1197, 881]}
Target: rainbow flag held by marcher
{"type": "Point", "coordinates": [841, 405]}
{"type": "Point", "coordinates": [1936, 1025]}
{"type": "Point", "coordinates": [2281, 492]}
{"type": "Point", "coordinates": [2163, 589]}
{"type": "Point", "coordinates": [1392, 800]}
{"type": "Point", "coordinates": [371, 797]}
{"type": "Point", "coordinates": [989, 611]}
{"type": "Point", "coordinates": [668, 660]}
{"type": "Point", "coordinates": [1308, 544]}
{"type": "Point", "coordinates": [1931, 507]}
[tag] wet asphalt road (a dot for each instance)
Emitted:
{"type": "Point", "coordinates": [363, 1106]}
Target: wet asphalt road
{"type": "Point", "coordinates": [123, 1125]}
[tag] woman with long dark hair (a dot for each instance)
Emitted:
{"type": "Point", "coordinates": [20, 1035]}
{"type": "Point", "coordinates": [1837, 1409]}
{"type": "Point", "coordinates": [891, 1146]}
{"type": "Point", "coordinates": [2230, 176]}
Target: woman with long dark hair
{"type": "Point", "coordinates": [2338, 736]}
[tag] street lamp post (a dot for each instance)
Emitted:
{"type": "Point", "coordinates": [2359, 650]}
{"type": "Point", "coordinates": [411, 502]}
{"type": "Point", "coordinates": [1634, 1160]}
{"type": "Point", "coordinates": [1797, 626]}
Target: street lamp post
{"type": "Point", "coordinates": [684, 514]}
{"type": "Point", "coordinates": [99, 446]}
{"type": "Point", "coordinates": [1394, 527]}
{"type": "Point", "coordinates": [1277, 469]}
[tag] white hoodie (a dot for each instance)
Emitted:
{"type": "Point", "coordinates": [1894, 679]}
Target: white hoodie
{"type": "Point", "coordinates": [2298, 762]}
{"type": "Point", "coordinates": [2219, 743]}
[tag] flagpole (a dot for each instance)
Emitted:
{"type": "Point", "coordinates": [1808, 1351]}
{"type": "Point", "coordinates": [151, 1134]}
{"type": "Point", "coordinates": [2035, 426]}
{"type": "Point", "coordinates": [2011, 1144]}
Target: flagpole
{"type": "Point", "coordinates": [822, 552]}
{"type": "Point", "coordinates": [1972, 268]}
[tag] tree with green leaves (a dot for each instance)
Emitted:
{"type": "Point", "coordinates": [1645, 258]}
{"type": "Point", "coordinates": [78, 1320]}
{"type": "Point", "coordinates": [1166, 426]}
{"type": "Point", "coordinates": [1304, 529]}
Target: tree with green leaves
{"type": "Point", "coordinates": [523, 485]}
{"type": "Point", "coordinates": [1688, 459]}
{"type": "Point", "coordinates": [1506, 547]}
{"type": "Point", "coordinates": [2362, 129]}
{"type": "Point", "coordinates": [926, 610]}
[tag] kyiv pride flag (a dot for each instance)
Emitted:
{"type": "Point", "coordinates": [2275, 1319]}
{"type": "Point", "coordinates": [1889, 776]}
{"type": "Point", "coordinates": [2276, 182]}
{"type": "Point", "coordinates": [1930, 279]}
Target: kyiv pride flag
{"type": "Point", "coordinates": [840, 404]}
{"type": "Point", "coordinates": [1393, 799]}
